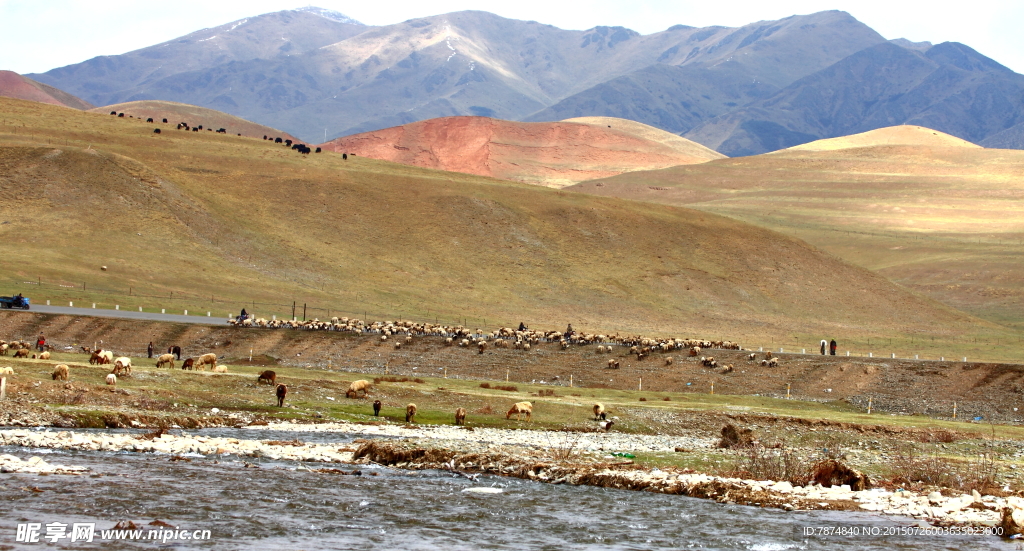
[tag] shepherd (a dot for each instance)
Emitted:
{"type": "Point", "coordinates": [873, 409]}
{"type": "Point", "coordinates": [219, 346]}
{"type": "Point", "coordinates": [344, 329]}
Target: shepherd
{"type": "Point", "coordinates": [41, 342]}
{"type": "Point", "coordinates": [832, 347]}
{"type": "Point", "coordinates": [823, 343]}
{"type": "Point", "coordinates": [150, 349]}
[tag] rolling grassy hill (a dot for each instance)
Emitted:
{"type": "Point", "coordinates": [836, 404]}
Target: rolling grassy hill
{"type": "Point", "coordinates": [937, 215]}
{"type": "Point", "coordinates": [209, 119]}
{"type": "Point", "coordinates": [239, 219]}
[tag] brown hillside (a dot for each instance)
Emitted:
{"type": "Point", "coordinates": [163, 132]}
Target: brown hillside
{"type": "Point", "coordinates": [210, 119]}
{"type": "Point", "coordinates": [944, 221]}
{"type": "Point", "coordinates": [241, 219]}
{"type": "Point", "coordinates": [554, 154]}
{"type": "Point", "coordinates": [13, 85]}
{"type": "Point", "coordinates": [893, 135]}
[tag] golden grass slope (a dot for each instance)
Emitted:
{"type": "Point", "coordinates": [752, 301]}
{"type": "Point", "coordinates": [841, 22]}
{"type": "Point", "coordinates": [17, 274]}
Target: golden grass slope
{"type": "Point", "coordinates": [210, 119]}
{"type": "Point", "coordinates": [947, 222]}
{"type": "Point", "coordinates": [904, 134]}
{"type": "Point", "coordinates": [554, 154]}
{"type": "Point", "coordinates": [647, 132]}
{"type": "Point", "coordinates": [239, 218]}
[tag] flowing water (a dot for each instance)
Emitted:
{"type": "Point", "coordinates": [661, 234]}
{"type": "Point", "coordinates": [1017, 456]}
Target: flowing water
{"type": "Point", "coordinates": [279, 506]}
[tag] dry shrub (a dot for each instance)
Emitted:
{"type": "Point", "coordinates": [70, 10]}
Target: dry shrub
{"type": "Point", "coordinates": [780, 464]}
{"type": "Point", "coordinates": [546, 392]}
{"type": "Point", "coordinates": [393, 379]}
{"type": "Point", "coordinates": [941, 436]}
{"type": "Point", "coordinates": [667, 399]}
{"type": "Point", "coordinates": [642, 399]}
{"type": "Point", "coordinates": [486, 410]}
{"type": "Point", "coordinates": [909, 468]}
{"type": "Point", "coordinates": [733, 437]}
{"type": "Point", "coordinates": [485, 385]}
{"type": "Point", "coordinates": [506, 388]}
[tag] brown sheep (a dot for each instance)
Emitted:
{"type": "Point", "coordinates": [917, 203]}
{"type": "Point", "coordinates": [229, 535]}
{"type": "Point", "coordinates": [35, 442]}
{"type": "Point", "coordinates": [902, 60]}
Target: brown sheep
{"type": "Point", "coordinates": [209, 359]}
{"type": "Point", "coordinates": [282, 391]}
{"type": "Point", "coordinates": [376, 408]}
{"type": "Point", "coordinates": [410, 413]}
{"type": "Point", "coordinates": [165, 359]}
{"type": "Point", "coordinates": [520, 408]}
{"type": "Point", "coordinates": [668, 360]}
{"type": "Point", "coordinates": [60, 373]}
{"type": "Point", "coordinates": [268, 377]}
{"type": "Point", "coordinates": [101, 357]}
{"type": "Point", "coordinates": [23, 353]}
{"type": "Point", "coordinates": [460, 416]}
{"type": "Point", "coordinates": [357, 386]}
{"type": "Point", "coordinates": [599, 412]}
{"type": "Point", "coordinates": [189, 364]}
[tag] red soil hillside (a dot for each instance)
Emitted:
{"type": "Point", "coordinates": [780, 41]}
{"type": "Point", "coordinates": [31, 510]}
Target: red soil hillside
{"type": "Point", "coordinates": [554, 154]}
{"type": "Point", "coordinates": [13, 85]}
{"type": "Point", "coordinates": [194, 116]}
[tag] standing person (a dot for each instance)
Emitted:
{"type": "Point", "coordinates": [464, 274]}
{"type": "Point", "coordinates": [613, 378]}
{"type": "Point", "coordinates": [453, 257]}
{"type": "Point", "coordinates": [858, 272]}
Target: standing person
{"type": "Point", "coordinates": [41, 342]}
{"type": "Point", "coordinates": [150, 349]}
{"type": "Point", "coordinates": [823, 343]}
{"type": "Point", "coordinates": [832, 347]}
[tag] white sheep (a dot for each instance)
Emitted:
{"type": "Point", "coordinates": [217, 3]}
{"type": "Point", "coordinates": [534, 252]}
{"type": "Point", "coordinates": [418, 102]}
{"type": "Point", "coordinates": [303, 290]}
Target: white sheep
{"type": "Point", "coordinates": [111, 379]}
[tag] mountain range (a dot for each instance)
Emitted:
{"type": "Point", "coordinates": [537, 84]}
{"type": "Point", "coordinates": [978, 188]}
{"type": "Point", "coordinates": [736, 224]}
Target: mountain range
{"type": "Point", "coordinates": [764, 86]}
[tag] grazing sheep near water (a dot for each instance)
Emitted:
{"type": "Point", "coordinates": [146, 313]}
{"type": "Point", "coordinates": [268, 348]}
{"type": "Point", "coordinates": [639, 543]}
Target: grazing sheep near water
{"type": "Point", "coordinates": [376, 408]}
{"type": "Point", "coordinates": [520, 408]}
{"type": "Point", "coordinates": [268, 377]}
{"type": "Point", "coordinates": [23, 353]}
{"type": "Point", "coordinates": [599, 412]}
{"type": "Point", "coordinates": [111, 379]}
{"type": "Point", "coordinates": [357, 386]}
{"type": "Point", "coordinates": [410, 413]}
{"type": "Point", "coordinates": [122, 366]}
{"type": "Point", "coordinates": [282, 391]}
{"type": "Point", "coordinates": [209, 359]}
{"type": "Point", "coordinates": [60, 373]}
{"type": "Point", "coordinates": [460, 416]}
{"type": "Point", "coordinates": [606, 425]}
{"type": "Point", "coordinates": [165, 359]}
{"type": "Point", "coordinates": [189, 364]}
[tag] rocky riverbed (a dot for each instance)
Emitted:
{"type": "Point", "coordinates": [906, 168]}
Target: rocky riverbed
{"type": "Point", "coordinates": [554, 457]}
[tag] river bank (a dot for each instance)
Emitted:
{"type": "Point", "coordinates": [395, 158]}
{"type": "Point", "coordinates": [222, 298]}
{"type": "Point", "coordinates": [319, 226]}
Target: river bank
{"type": "Point", "coordinates": [565, 458]}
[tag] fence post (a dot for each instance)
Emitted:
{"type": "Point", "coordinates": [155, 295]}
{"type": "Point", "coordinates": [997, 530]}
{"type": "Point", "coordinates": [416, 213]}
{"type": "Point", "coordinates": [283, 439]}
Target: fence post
{"type": "Point", "coordinates": [641, 386]}
{"type": "Point", "coordinates": [3, 388]}
{"type": "Point", "coordinates": [787, 390]}
{"type": "Point", "coordinates": [869, 405]}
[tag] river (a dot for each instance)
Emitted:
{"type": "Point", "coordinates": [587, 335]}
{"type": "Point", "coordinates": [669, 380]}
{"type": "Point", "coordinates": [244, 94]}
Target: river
{"type": "Point", "coordinates": [248, 504]}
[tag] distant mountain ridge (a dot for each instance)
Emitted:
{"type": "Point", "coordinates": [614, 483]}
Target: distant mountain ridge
{"type": "Point", "coordinates": [741, 91]}
{"type": "Point", "coordinates": [13, 85]}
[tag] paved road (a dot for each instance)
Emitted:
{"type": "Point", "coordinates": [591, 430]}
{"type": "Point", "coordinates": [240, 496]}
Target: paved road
{"type": "Point", "coordinates": [127, 314]}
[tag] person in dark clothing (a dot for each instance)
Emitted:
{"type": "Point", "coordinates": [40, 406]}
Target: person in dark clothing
{"type": "Point", "coordinates": [522, 326]}
{"type": "Point", "coordinates": [244, 314]}
{"type": "Point", "coordinates": [41, 342]}
{"type": "Point", "coordinates": [823, 343]}
{"type": "Point", "coordinates": [832, 347]}
{"type": "Point", "coordinates": [149, 350]}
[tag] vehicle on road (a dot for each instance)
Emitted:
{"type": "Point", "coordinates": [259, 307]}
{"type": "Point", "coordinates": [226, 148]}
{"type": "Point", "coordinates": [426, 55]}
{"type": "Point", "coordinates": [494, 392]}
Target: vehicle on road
{"type": "Point", "coordinates": [16, 301]}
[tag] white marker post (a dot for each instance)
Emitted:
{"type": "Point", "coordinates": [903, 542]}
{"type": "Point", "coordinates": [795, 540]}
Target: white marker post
{"type": "Point", "coordinates": [869, 405]}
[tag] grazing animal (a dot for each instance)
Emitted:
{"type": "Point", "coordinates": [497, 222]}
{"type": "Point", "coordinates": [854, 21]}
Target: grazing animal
{"type": "Point", "coordinates": [122, 366]}
{"type": "Point", "coordinates": [6, 371]}
{"type": "Point", "coordinates": [188, 364]}
{"type": "Point", "coordinates": [282, 391]}
{"type": "Point", "coordinates": [165, 359]}
{"type": "Point", "coordinates": [209, 359]}
{"type": "Point", "coordinates": [60, 373]}
{"type": "Point", "coordinates": [44, 355]}
{"type": "Point", "coordinates": [481, 347]}
{"type": "Point", "coordinates": [268, 377]}
{"type": "Point", "coordinates": [599, 412]}
{"type": "Point", "coordinates": [111, 379]}
{"type": "Point", "coordinates": [752, 357]}
{"type": "Point", "coordinates": [220, 369]}
{"type": "Point", "coordinates": [156, 130]}
{"type": "Point", "coordinates": [357, 386]}
{"type": "Point", "coordinates": [22, 353]}
{"type": "Point", "coordinates": [460, 416]}
{"type": "Point", "coordinates": [376, 408]}
{"type": "Point", "coordinates": [3, 349]}
{"type": "Point", "coordinates": [520, 408]}
{"type": "Point", "coordinates": [410, 413]}
{"type": "Point", "coordinates": [768, 355]}
{"type": "Point", "coordinates": [668, 360]}
{"type": "Point", "coordinates": [176, 350]}
{"type": "Point", "coordinates": [606, 425]}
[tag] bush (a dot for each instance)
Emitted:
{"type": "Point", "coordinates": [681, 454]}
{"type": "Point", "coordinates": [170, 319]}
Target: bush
{"type": "Point", "coordinates": [909, 468]}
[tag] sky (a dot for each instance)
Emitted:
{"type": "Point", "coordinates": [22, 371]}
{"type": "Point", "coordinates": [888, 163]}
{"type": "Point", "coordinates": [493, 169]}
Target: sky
{"type": "Point", "coordinates": [39, 36]}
